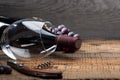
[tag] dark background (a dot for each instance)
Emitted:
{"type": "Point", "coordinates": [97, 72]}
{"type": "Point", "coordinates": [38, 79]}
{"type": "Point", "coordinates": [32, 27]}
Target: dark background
{"type": "Point", "coordinates": [92, 19]}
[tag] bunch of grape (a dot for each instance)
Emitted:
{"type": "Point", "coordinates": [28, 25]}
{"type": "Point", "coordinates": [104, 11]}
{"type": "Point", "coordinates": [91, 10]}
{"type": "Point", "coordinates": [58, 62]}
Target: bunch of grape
{"type": "Point", "coordinates": [5, 69]}
{"type": "Point", "coordinates": [63, 30]}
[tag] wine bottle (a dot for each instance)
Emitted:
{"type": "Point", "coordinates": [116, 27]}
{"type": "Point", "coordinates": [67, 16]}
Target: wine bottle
{"type": "Point", "coordinates": [28, 38]}
{"type": "Point", "coordinates": [60, 30]}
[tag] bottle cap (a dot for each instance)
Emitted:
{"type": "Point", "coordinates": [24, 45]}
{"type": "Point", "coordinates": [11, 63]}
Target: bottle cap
{"type": "Point", "coordinates": [68, 42]}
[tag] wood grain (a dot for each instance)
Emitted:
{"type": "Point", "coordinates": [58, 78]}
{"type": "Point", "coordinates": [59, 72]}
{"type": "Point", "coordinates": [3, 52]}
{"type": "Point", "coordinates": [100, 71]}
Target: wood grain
{"type": "Point", "coordinates": [97, 59]}
{"type": "Point", "coordinates": [90, 18]}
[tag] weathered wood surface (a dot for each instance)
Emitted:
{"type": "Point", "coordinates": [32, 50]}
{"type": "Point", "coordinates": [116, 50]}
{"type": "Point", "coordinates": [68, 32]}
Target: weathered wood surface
{"type": "Point", "coordinates": [89, 18]}
{"type": "Point", "coordinates": [97, 59]}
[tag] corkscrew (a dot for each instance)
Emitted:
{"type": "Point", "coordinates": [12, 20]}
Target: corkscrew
{"type": "Point", "coordinates": [44, 65]}
{"type": "Point", "coordinates": [42, 73]}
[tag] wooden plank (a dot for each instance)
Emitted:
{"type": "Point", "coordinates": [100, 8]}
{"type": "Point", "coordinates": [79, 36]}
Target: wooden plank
{"type": "Point", "coordinates": [89, 18]}
{"type": "Point", "coordinates": [97, 59]}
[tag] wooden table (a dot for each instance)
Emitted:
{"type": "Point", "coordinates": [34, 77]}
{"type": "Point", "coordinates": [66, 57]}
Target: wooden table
{"type": "Point", "coordinates": [97, 59]}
